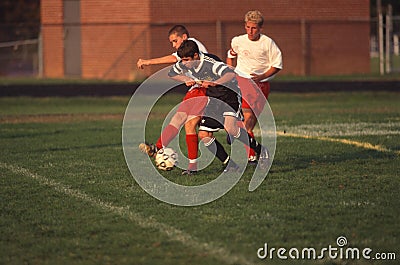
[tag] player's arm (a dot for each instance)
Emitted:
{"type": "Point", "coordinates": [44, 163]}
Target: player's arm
{"type": "Point", "coordinates": [177, 74]}
{"type": "Point", "coordinates": [169, 59]}
{"type": "Point", "coordinates": [223, 79]}
{"type": "Point", "coordinates": [270, 72]}
{"type": "Point", "coordinates": [231, 57]}
{"type": "Point", "coordinates": [184, 79]}
{"type": "Point", "coordinates": [231, 61]}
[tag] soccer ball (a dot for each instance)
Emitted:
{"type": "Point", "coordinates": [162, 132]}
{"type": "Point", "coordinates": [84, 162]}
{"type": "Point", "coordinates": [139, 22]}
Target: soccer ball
{"type": "Point", "coordinates": [166, 159]}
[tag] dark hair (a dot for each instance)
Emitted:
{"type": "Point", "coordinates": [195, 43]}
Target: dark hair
{"type": "Point", "coordinates": [188, 48]}
{"type": "Point", "coordinates": [178, 30]}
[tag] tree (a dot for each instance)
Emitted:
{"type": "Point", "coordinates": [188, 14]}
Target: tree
{"type": "Point", "coordinates": [19, 19]}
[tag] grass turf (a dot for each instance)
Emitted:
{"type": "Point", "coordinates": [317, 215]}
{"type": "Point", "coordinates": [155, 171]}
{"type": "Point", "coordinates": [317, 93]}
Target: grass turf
{"type": "Point", "coordinates": [67, 197]}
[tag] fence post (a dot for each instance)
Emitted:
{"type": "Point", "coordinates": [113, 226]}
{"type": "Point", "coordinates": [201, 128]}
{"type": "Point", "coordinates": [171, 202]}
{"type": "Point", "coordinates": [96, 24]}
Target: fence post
{"type": "Point", "coordinates": [396, 48]}
{"type": "Point", "coordinates": [304, 47]}
{"type": "Point", "coordinates": [380, 37]}
{"type": "Point", "coordinates": [40, 54]}
{"type": "Point", "coordinates": [388, 38]}
{"type": "Point", "coordinates": [218, 27]}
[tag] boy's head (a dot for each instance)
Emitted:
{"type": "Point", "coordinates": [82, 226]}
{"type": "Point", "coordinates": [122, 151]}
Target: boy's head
{"type": "Point", "coordinates": [253, 22]}
{"type": "Point", "coordinates": [254, 16]}
{"type": "Point", "coordinates": [188, 49]}
{"type": "Point", "coordinates": [177, 34]}
{"type": "Point", "coordinates": [179, 30]}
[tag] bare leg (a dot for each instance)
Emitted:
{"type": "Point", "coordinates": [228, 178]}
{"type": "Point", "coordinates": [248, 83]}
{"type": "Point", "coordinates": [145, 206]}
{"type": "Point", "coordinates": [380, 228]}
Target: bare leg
{"type": "Point", "coordinates": [250, 120]}
{"type": "Point", "coordinates": [178, 119]}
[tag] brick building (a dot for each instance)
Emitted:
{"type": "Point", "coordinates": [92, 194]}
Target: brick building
{"type": "Point", "coordinates": [103, 39]}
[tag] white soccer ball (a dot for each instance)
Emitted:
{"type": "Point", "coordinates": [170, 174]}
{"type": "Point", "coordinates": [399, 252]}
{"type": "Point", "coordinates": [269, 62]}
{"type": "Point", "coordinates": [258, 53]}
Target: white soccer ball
{"type": "Point", "coordinates": [166, 159]}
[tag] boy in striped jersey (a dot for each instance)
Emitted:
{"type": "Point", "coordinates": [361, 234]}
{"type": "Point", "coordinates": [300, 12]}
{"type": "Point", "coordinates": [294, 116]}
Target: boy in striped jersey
{"type": "Point", "coordinates": [224, 103]}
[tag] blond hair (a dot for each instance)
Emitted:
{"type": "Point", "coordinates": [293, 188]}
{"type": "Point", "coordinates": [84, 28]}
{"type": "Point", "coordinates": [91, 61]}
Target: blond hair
{"type": "Point", "coordinates": [254, 16]}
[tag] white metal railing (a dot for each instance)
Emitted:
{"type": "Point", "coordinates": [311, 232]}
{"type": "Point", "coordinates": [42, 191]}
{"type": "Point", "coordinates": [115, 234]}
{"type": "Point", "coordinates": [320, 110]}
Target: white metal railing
{"type": "Point", "coordinates": [15, 56]}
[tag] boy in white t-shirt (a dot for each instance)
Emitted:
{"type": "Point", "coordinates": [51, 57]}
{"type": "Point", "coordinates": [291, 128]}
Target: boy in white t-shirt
{"type": "Point", "coordinates": [258, 58]}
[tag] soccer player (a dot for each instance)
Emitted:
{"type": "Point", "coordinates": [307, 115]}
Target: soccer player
{"type": "Point", "coordinates": [188, 114]}
{"type": "Point", "coordinates": [221, 83]}
{"type": "Point", "coordinates": [176, 35]}
{"type": "Point", "coordinates": [257, 57]}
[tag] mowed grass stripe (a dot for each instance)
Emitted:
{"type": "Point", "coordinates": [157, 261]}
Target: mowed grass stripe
{"type": "Point", "coordinates": [172, 233]}
{"type": "Point", "coordinates": [364, 145]}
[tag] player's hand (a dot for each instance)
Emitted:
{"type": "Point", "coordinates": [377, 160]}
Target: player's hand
{"type": "Point", "coordinates": [141, 63]}
{"type": "Point", "coordinates": [207, 84]}
{"type": "Point", "coordinates": [256, 77]}
{"type": "Point", "coordinates": [190, 82]}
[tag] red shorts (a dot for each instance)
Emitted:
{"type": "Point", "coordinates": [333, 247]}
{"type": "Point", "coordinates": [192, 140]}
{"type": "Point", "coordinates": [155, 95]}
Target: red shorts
{"type": "Point", "coordinates": [194, 102]}
{"type": "Point", "coordinates": [254, 95]}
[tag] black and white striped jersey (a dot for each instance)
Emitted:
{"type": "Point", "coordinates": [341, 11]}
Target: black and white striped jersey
{"type": "Point", "coordinates": [208, 69]}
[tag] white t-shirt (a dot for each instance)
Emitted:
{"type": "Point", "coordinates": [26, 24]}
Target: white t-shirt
{"type": "Point", "coordinates": [255, 56]}
{"type": "Point", "coordinates": [202, 48]}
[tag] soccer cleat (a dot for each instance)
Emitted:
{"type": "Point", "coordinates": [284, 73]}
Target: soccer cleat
{"type": "Point", "coordinates": [252, 160]}
{"type": "Point", "coordinates": [149, 149]}
{"type": "Point", "coordinates": [189, 172]}
{"type": "Point", "coordinates": [231, 167]}
{"type": "Point", "coordinates": [264, 159]}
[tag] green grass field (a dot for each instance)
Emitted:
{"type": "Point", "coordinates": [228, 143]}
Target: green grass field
{"type": "Point", "coordinates": [67, 196]}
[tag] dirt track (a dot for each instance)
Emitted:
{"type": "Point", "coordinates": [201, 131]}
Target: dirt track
{"type": "Point", "coordinates": [58, 118]}
{"type": "Point", "coordinates": [112, 89]}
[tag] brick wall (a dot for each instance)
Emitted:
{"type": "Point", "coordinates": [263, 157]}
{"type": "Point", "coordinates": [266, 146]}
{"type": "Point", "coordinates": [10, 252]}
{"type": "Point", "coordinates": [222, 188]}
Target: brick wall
{"type": "Point", "coordinates": [111, 37]}
{"type": "Point", "coordinates": [52, 35]}
{"type": "Point", "coordinates": [317, 37]}
{"type": "Point", "coordinates": [197, 11]}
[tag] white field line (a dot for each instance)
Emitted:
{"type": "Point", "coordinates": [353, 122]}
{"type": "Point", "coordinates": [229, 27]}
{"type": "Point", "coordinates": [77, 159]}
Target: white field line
{"type": "Point", "coordinates": [364, 145]}
{"type": "Point", "coordinates": [345, 129]}
{"type": "Point", "coordinates": [172, 233]}
{"type": "Point", "coordinates": [328, 132]}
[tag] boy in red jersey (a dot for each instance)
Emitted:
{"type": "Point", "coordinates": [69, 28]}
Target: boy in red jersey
{"type": "Point", "coordinates": [187, 113]}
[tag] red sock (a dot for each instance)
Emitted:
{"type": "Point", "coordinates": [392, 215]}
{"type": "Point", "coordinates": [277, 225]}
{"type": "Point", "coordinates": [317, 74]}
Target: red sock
{"type": "Point", "coordinates": [166, 136]}
{"type": "Point", "coordinates": [250, 152]}
{"type": "Point", "coordinates": [193, 150]}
